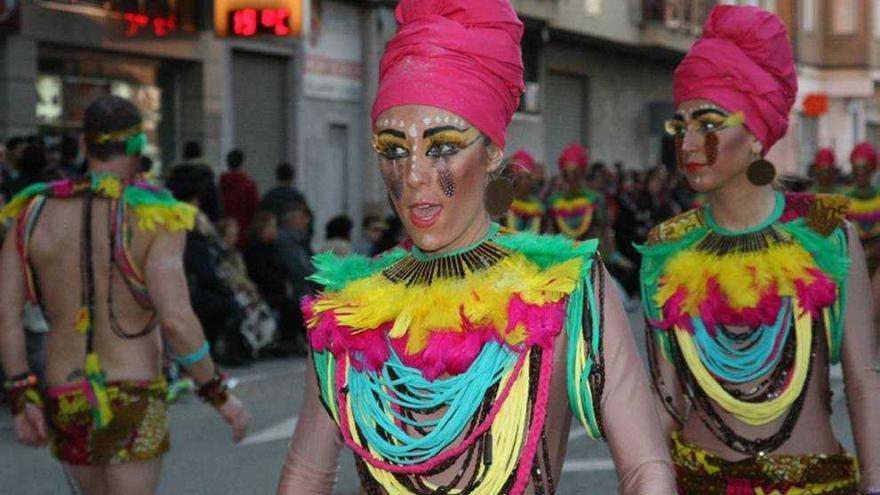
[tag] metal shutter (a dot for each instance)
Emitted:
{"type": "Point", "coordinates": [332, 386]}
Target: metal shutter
{"type": "Point", "coordinates": [564, 114]}
{"type": "Point", "coordinates": [258, 88]}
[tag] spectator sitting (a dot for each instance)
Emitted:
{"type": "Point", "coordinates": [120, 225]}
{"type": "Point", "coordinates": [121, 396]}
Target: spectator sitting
{"type": "Point", "coordinates": [373, 228]}
{"type": "Point", "coordinates": [337, 236]}
{"type": "Point", "coordinates": [273, 279]}
{"type": "Point", "coordinates": [212, 297]}
{"type": "Point", "coordinates": [284, 194]}
{"type": "Point", "coordinates": [240, 193]}
{"type": "Point", "coordinates": [296, 253]}
{"type": "Point", "coordinates": [227, 229]}
{"type": "Point", "coordinates": [259, 326]}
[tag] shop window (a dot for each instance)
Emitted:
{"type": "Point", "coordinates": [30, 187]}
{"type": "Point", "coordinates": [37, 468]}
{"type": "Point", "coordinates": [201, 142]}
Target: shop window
{"type": "Point", "coordinates": [68, 81]}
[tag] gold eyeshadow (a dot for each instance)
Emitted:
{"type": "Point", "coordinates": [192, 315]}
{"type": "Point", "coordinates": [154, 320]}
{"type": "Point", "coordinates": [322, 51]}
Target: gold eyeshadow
{"type": "Point", "coordinates": [704, 124]}
{"type": "Point", "coordinates": [390, 146]}
{"type": "Point", "coordinates": [458, 140]}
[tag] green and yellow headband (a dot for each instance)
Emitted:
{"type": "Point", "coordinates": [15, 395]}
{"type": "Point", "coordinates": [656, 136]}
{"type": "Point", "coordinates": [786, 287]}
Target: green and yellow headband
{"type": "Point", "coordinates": [134, 138]}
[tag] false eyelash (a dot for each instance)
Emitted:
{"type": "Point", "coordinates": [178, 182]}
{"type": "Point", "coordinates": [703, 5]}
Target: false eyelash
{"type": "Point", "coordinates": [382, 144]}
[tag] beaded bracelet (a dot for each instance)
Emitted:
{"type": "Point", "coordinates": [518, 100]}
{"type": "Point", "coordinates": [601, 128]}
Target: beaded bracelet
{"type": "Point", "coordinates": [22, 390]}
{"type": "Point", "coordinates": [214, 391]}
{"type": "Point", "coordinates": [194, 357]}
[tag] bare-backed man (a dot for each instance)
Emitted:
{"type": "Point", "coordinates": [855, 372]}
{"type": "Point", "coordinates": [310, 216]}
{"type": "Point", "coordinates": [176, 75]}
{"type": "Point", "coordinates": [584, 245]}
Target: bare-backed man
{"type": "Point", "coordinates": [103, 256]}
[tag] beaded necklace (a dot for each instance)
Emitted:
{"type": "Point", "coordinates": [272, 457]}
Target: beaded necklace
{"type": "Point", "coordinates": [429, 362]}
{"type": "Point", "coordinates": [781, 281]}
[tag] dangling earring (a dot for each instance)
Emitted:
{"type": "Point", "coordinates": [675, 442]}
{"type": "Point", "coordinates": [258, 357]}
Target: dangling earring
{"type": "Point", "coordinates": [499, 193]}
{"type": "Point", "coordinates": [760, 172]}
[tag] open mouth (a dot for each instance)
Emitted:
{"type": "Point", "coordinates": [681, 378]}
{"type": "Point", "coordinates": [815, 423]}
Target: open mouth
{"type": "Point", "coordinates": [424, 214]}
{"type": "Point", "coordinates": [694, 167]}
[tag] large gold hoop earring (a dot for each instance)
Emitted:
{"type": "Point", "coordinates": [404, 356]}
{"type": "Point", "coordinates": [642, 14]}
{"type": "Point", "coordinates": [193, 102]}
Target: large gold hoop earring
{"type": "Point", "coordinates": [499, 193]}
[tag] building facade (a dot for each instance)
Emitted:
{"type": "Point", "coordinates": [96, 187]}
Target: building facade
{"type": "Point", "coordinates": [278, 98]}
{"type": "Point", "coordinates": [598, 72]}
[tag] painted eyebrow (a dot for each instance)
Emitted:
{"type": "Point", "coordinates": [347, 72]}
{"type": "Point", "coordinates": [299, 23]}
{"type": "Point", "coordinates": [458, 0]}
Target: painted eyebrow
{"type": "Point", "coordinates": [393, 132]}
{"type": "Point", "coordinates": [699, 113]}
{"type": "Point", "coordinates": [437, 130]}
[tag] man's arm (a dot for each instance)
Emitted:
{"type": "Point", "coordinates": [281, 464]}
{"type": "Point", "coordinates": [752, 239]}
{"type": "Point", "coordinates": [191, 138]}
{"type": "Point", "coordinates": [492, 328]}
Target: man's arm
{"type": "Point", "coordinates": [13, 351]}
{"type": "Point", "coordinates": [29, 424]}
{"type": "Point", "coordinates": [166, 284]}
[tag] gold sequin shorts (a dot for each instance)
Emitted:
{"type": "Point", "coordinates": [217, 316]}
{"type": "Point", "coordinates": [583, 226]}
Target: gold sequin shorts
{"type": "Point", "coordinates": [138, 430]}
{"type": "Point", "coordinates": [698, 472]}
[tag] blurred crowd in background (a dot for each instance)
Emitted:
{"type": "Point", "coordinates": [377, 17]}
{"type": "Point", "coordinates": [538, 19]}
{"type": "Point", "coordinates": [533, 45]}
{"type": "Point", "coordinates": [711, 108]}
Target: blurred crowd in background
{"type": "Point", "coordinates": [249, 259]}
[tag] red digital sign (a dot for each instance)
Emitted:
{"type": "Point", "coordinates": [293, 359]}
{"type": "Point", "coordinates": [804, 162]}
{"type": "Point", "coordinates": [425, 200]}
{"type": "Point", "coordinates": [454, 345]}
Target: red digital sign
{"type": "Point", "coordinates": [141, 24]}
{"type": "Point", "coordinates": [249, 18]}
{"type": "Point", "coordinates": [252, 22]}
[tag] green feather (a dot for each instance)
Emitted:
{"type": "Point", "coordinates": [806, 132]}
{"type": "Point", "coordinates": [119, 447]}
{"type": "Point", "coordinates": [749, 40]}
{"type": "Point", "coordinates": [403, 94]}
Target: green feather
{"type": "Point", "coordinates": [335, 272]}
{"type": "Point", "coordinates": [547, 250]}
{"type": "Point", "coordinates": [139, 196]}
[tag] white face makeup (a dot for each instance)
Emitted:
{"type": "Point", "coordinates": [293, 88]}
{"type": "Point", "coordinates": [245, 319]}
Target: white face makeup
{"type": "Point", "coordinates": [435, 166]}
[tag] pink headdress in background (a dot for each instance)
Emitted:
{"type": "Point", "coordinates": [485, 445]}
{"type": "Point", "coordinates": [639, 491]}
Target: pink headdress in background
{"type": "Point", "coordinates": [574, 155]}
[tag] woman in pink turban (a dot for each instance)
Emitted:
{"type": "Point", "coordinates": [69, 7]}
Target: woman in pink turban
{"type": "Point", "coordinates": [825, 172]}
{"type": "Point", "coordinates": [526, 212]}
{"type": "Point", "coordinates": [445, 364]}
{"type": "Point", "coordinates": [577, 210]}
{"type": "Point", "coordinates": [746, 297]}
{"type": "Point", "coordinates": [864, 198]}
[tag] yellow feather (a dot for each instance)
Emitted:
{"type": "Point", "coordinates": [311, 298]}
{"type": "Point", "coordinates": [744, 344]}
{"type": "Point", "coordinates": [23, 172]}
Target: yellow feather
{"type": "Point", "coordinates": [417, 311]}
{"type": "Point", "coordinates": [742, 277]}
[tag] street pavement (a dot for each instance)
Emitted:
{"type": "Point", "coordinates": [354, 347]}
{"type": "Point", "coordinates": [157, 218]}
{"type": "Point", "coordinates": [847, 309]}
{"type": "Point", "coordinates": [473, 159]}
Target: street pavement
{"type": "Point", "coordinates": [203, 459]}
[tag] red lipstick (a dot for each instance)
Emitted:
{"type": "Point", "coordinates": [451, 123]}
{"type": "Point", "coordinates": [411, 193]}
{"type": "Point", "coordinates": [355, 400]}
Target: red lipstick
{"type": "Point", "coordinates": [694, 167]}
{"type": "Point", "coordinates": [424, 215]}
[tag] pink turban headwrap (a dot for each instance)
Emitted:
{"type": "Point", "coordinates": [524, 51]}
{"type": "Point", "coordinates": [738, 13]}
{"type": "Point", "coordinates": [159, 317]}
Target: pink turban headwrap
{"type": "Point", "coordinates": [462, 56]}
{"type": "Point", "coordinates": [825, 158]}
{"type": "Point", "coordinates": [743, 63]}
{"type": "Point", "coordinates": [574, 154]}
{"type": "Point", "coordinates": [523, 160]}
{"type": "Point", "coordinates": [864, 152]}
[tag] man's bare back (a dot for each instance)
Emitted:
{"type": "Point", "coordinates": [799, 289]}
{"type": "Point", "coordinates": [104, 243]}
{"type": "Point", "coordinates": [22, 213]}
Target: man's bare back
{"type": "Point", "coordinates": [56, 248]}
{"type": "Point", "coordinates": [106, 398]}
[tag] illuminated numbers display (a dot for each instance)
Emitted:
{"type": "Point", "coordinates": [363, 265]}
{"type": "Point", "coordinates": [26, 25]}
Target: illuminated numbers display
{"type": "Point", "coordinates": [140, 24]}
{"type": "Point", "coordinates": [251, 22]}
